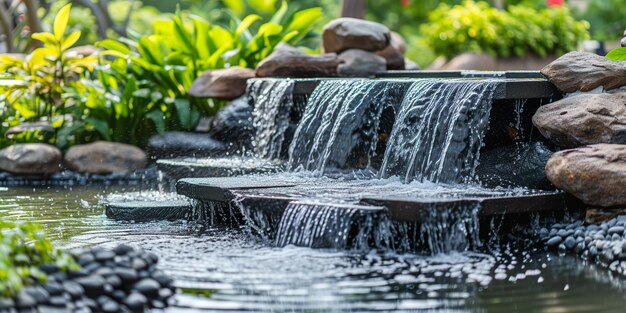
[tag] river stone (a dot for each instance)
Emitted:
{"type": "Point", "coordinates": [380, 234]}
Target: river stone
{"type": "Point", "coordinates": [182, 144]}
{"type": "Point", "coordinates": [584, 119]}
{"type": "Point", "coordinates": [136, 301]}
{"type": "Point", "coordinates": [350, 33]}
{"type": "Point", "coordinates": [393, 58]}
{"type": "Point", "coordinates": [104, 157]}
{"type": "Point", "coordinates": [234, 122]}
{"type": "Point", "coordinates": [518, 165]}
{"type": "Point", "coordinates": [228, 83]}
{"type": "Point", "coordinates": [584, 71]}
{"type": "Point", "coordinates": [287, 61]}
{"type": "Point", "coordinates": [30, 159]}
{"type": "Point", "coordinates": [148, 287]}
{"type": "Point", "coordinates": [44, 127]}
{"type": "Point", "coordinates": [359, 63]}
{"type": "Point", "coordinates": [397, 42]}
{"type": "Point", "coordinates": [595, 174]}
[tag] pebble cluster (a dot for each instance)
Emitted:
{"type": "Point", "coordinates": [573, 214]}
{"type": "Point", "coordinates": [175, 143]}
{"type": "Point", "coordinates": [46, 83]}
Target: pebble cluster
{"type": "Point", "coordinates": [604, 243]}
{"type": "Point", "coordinates": [119, 280]}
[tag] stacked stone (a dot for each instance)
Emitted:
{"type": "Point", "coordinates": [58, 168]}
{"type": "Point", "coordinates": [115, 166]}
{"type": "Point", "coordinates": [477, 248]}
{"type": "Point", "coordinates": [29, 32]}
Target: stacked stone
{"type": "Point", "coordinates": [590, 125]}
{"type": "Point", "coordinates": [118, 280]}
{"type": "Point", "coordinates": [604, 243]}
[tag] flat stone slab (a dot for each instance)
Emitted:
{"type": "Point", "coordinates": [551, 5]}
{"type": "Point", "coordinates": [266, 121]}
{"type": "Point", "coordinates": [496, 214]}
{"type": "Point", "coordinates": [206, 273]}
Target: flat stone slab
{"type": "Point", "coordinates": [512, 87]}
{"type": "Point", "coordinates": [147, 210]}
{"type": "Point", "coordinates": [214, 167]}
{"type": "Point", "coordinates": [220, 188]}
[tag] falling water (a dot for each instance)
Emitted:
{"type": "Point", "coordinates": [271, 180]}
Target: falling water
{"type": "Point", "coordinates": [273, 102]}
{"type": "Point", "coordinates": [450, 227]}
{"type": "Point", "coordinates": [341, 117]}
{"type": "Point", "coordinates": [438, 130]}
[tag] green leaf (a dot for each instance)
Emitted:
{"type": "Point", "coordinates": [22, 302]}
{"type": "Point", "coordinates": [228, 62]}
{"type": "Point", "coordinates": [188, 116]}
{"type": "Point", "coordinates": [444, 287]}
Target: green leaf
{"type": "Point", "coordinates": [114, 45]}
{"type": "Point", "coordinates": [102, 127]}
{"type": "Point", "coordinates": [183, 110]}
{"type": "Point", "coordinates": [618, 54]}
{"type": "Point", "coordinates": [158, 118]}
{"type": "Point", "coordinates": [245, 24]}
{"type": "Point", "coordinates": [70, 40]}
{"type": "Point", "coordinates": [61, 20]}
{"type": "Point", "coordinates": [280, 14]}
{"type": "Point", "coordinates": [47, 38]}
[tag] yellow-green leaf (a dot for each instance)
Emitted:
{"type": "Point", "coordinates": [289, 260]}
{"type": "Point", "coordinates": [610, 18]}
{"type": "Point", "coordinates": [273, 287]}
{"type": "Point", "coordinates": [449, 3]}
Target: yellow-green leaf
{"type": "Point", "coordinates": [47, 38]}
{"type": "Point", "coordinates": [60, 21]}
{"type": "Point", "coordinates": [70, 40]}
{"type": "Point", "coordinates": [245, 24]}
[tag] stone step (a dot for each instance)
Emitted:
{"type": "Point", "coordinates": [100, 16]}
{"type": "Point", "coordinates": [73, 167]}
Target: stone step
{"type": "Point", "coordinates": [147, 210]}
{"type": "Point", "coordinates": [214, 167]}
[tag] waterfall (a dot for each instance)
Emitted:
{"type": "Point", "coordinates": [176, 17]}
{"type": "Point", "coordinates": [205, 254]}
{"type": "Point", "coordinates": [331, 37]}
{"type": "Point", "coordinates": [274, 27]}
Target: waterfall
{"type": "Point", "coordinates": [438, 130]}
{"type": "Point", "coordinates": [273, 102]}
{"type": "Point", "coordinates": [341, 120]}
{"type": "Point", "coordinates": [449, 227]}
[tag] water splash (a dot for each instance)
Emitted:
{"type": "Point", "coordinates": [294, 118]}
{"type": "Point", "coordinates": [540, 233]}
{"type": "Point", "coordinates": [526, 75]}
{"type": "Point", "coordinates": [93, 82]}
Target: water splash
{"type": "Point", "coordinates": [340, 122]}
{"type": "Point", "coordinates": [451, 227]}
{"type": "Point", "coordinates": [273, 102]}
{"type": "Point", "coordinates": [438, 130]}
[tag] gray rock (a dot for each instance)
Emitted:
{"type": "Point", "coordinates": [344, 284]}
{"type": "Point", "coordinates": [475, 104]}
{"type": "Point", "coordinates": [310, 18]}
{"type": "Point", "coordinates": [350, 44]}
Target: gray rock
{"type": "Point", "coordinates": [75, 290]}
{"type": "Point", "coordinates": [38, 293]}
{"type": "Point", "coordinates": [397, 42]}
{"type": "Point", "coordinates": [594, 174]}
{"type": "Point", "coordinates": [393, 58]}
{"type": "Point", "coordinates": [554, 242]}
{"type": "Point", "coordinates": [110, 307]}
{"type": "Point", "coordinates": [234, 123]}
{"type": "Point", "coordinates": [93, 285]}
{"type": "Point", "coordinates": [287, 61]}
{"type": "Point", "coordinates": [104, 255]}
{"type": "Point", "coordinates": [136, 301]}
{"type": "Point", "coordinates": [183, 144]}
{"type": "Point", "coordinates": [41, 127]}
{"type": "Point", "coordinates": [359, 63]}
{"type": "Point", "coordinates": [228, 83]}
{"type": "Point", "coordinates": [24, 300]}
{"type": "Point", "coordinates": [128, 275]}
{"type": "Point", "coordinates": [148, 287]}
{"type": "Point", "coordinates": [30, 159]}
{"type": "Point", "coordinates": [350, 33]}
{"type": "Point", "coordinates": [105, 157]}
{"type": "Point", "coordinates": [7, 303]}
{"type": "Point", "coordinates": [584, 71]}
{"type": "Point", "coordinates": [519, 165]}
{"type": "Point", "coordinates": [122, 249]}
{"type": "Point", "coordinates": [584, 119]}
{"type": "Point", "coordinates": [616, 230]}
{"type": "Point", "coordinates": [570, 243]}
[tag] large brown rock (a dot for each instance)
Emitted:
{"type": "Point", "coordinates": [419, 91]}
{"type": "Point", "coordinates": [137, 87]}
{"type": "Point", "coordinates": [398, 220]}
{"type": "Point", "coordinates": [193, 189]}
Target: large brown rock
{"type": "Point", "coordinates": [350, 33]}
{"type": "Point", "coordinates": [287, 61]}
{"type": "Point", "coordinates": [393, 58]}
{"type": "Point", "coordinates": [584, 119]}
{"type": "Point", "coordinates": [584, 71]}
{"type": "Point", "coordinates": [103, 157]}
{"type": "Point", "coordinates": [30, 159]}
{"type": "Point", "coordinates": [360, 63]}
{"type": "Point", "coordinates": [228, 83]}
{"type": "Point", "coordinates": [595, 174]}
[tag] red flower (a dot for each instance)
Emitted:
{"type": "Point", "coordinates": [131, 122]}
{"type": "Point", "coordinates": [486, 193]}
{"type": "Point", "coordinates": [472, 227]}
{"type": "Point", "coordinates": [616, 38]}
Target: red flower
{"type": "Point", "coordinates": [405, 3]}
{"type": "Point", "coordinates": [555, 3]}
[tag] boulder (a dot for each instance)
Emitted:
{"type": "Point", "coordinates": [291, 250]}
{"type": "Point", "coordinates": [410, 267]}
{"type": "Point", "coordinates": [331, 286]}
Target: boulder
{"type": "Point", "coordinates": [397, 42]}
{"type": "Point", "coordinates": [30, 159]}
{"type": "Point", "coordinates": [42, 127]}
{"type": "Point", "coordinates": [104, 157]}
{"type": "Point", "coordinates": [287, 61]}
{"type": "Point", "coordinates": [234, 123]}
{"type": "Point", "coordinates": [360, 63]}
{"type": "Point", "coordinates": [584, 119]}
{"type": "Point", "coordinates": [228, 83]}
{"type": "Point", "coordinates": [182, 144]}
{"type": "Point", "coordinates": [350, 33]}
{"type": "Point", "coordinates": [595, 174]}
{"type": "Point", "coordinates": [584, 71]}
{"type": "Point", "coordinates": [518, 165]}
{"type": "Point", "coordinates": [393, 58]}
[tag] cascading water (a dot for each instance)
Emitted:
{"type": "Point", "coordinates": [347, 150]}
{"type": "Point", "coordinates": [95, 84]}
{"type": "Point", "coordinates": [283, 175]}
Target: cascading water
{"type": "Point", "coordinates": [340, 115]}
{"type": "Point", "coordinates": [438, 130]}
{"type": "Point", "coordinates": [273, 102]}
{"type": "Point", "coordinates": [450, 227]}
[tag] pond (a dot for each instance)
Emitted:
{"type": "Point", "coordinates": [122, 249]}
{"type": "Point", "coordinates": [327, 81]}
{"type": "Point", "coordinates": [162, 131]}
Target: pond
{"type": "Point", "coordinates": [228, 270]}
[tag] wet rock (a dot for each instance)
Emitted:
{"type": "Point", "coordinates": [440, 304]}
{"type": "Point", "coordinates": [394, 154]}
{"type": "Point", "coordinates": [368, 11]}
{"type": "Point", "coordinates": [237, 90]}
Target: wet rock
{"type": "Point", "coordinates": [127, 275]}
{"type": "Point", "coordinates": [86, 258]}
{"type": "Point", "coordinates": [30, 159]}
{"type": "Point", "coordinates": [228, 83]}
{"type": "Point", "coordinates": [183, 144]}
{"type": "Point", "coordinates": [29, 127]}
{"type": "Point", "coordinates": [584, 71]}
{"type": "Point", "coordinates": [584, 119]}
{"type": "Point", "coordinates": [53, 288]}
{"type": "Point", "coordinates": [570, 243]}
{"type": "Point", "coordinates": [616, 230]}
{"type": "Point", "coordinates": [38, 293]}
{"type": "Point", "coordinates": [122, 249]}
{"type": "Point", "coordinates": [75, 290]}
{"type": "Point", "coordinates": [349, 33]}
{"type": "Point", "coordinates": [6, 303]}
{"type": "Point", "coordinates": [24, 300]}
{"type": "Point", "coordinates": [595, 174]}
{"type": "Point", "coordinates": [554, 242]}
{"type": "Point", "coordinates": [104, 255]}
{"type": "Point", "coordinates": [110, 307]}
{"type": "Point", "coordinates": [287, 61]}
{"type": "Point", "coordinates": [359, 63]}
{"type": "Point", "coordinates": [93, 285]}
{"type": "Point", "coordinates": [234, 122]}
{"type": "Point", "coordinates": [518, 165]}
{"type": "Point", "coordinates": [393, 58]}
{"type": "Point", "coordinates": [148, 287]}
{"type": "Point", "coordinates": [136, 301]}
{"type": "Point", "coordinates": [105, 157]}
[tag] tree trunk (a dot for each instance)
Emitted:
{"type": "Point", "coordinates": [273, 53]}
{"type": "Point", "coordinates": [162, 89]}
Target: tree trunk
{"type": "Point", "coordinates": [7, 27]}
{"type": "Point", "coordinates": [102, 18]}
{"type": "Point", "coordinates": [32, 6]}
{"type": "Point", "coordinates": [353, 8]}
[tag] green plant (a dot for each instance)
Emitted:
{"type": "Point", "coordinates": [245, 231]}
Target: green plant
{"type": "Point", "coordinates": [23, 250]}
{"type": "Point", "coordinates": [478, 27]}
{"type": "Point", "coordinates": [618, 54]}
{"type": "Point", "coordinates": [606, 18]}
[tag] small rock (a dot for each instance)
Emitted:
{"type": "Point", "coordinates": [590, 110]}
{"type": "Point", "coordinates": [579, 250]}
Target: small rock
{"type": "Point", "coordinates": [616, 230]}
{"type": "Point", "coordinates": [287, 61]}
{"type": "Point", "coordinates": [93, 285]}
{"type": "Point", "coordinates": [149, 287]}
{"type": "Point", "coordinates": [554, 242]}
{"type": "Point", "coordinates": [42, 127]}
{"type": "Point", "coordinates": [114, 281]}
{"type": "Point", "coordinates": [105, 157]}
{"type": "Point", "coordinates": [165, 293]}
{"type": "Point", "coordinates": [24, 300]}
{"type": "Point", "coordinates": [119, 295]}
{"type": "Point", "coordinates": [7, 303]}
{"type": "Point", "coordinates": [350, 33]}
{"type": "Point", "coordinates": [75, 290]}
{"type": "Point", "coordinates": [229, 83]}
{"type": "Point", "coordinates": [359, 63]}
{"type": "Point", "coordinates": [110, 307]}
{"type": "Point", "coordinates": [127, 275]}
{"type": "Point", "coordinates": [86, 258]}
{"type": "Point", "coordinates": [393, 58]}
{"type": "Point", "coordinates": [595, 174]}
{"type": "Point", "coordinates": [30, 159]}
{"type": "Point", "coordinates": [38, 293]}
{"type": "Point", "coordinates": [584, 71]}
{"type": "Point", "coordinates": [122, 249]}
{"type": "Point", "coordinates": [104, 255]}
{"type": "Point", "coordinates": [58, 301]}
{"type": "Point", "coordinates": [53, 288]}
{"type": "Point", "coordinates": [136, 301]}
{"type": "Point", "coordinates": [139, 264]}
{"type": "Point", "coordinates": [570, 243]}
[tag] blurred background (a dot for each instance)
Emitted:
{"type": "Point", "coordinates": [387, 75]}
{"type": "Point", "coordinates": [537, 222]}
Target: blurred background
{"type": "Point", "coordinates": [432, 29]}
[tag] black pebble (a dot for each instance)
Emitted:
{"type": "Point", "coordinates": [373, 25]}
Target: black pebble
{"type": "Point", "coordinates": [75, 290]}
{"type": "Point", "coordinates": [136, 301]}
{"type": "Point", "coordinates": [147, 286]}
{"type": "Point", "coordinates": [554, 242]}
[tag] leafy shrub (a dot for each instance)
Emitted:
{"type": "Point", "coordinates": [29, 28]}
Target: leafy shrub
{"type": "Point", "coordinates": [23, 250]}
{"type": "Point", "coordinates": [606, 18]}
{"type": "Point", "coordinates": [618, 54]}
{"type": "Point", "coordinates": [478, 27]}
